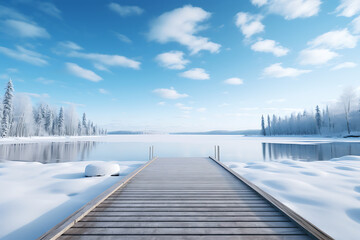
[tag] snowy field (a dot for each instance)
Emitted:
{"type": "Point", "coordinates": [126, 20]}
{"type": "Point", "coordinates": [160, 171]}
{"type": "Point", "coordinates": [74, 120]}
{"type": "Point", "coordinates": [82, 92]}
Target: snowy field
{"type": "Point", "coordinates": [326, 193]}
{"type": "Point", "coordinates": [35, 197]}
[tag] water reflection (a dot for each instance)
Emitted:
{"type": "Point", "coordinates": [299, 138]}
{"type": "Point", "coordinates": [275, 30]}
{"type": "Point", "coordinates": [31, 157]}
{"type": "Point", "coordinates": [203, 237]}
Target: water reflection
{"type": "Point", "coordinates": [232, 149]}
{"type": "Point", "coordinates": [309, 152]}
{"type": "Point", "coordinates": [52, 152]}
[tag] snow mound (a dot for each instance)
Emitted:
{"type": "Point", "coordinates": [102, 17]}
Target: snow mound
{"type": "Point", "coordinates": [102, 169]}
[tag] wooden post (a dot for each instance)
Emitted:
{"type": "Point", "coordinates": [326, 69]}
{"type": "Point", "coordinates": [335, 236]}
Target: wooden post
{"type": "Point", "coordinates": [152, 152]}
{"type": "Point", "coordinates": [218, 152]}
{"type": "Point", "coordinates": [215, 154]}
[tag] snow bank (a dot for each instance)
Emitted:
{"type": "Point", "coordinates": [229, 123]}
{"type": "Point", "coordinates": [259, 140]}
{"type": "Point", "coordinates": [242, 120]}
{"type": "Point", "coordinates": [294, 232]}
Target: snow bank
{"type": "Point", "coordinates": [102, 169]}
{"type": "Point", "coordinates": [35, 197]}
{"type": "Point", "coordinates": [326, 193]}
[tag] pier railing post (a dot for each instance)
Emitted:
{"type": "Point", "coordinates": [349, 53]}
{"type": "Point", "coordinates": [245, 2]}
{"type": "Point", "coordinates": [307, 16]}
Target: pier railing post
{"type": "Point", "coordinates": [152, 152]}
{"type": "Point", "coordinates": [215, 153]}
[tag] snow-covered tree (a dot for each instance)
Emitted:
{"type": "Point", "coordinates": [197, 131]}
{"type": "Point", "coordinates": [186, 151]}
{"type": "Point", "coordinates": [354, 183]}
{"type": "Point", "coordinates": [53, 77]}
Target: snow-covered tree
{"type": "Point", "coordinates": [71, 120]}
{"type": "Point", "coordinates": [263, 131]}
{"type": "Point", "coordinates": [84, 125]}
{"type": "Point", "coordinates": [318, 118]}
{"type": "Point", "coordinates": [61, 122]}
{"type": "Point", "coordinates": [23, 124]}
{"type": "Point", "coordinates": [49, 121]}
{"type": "Point", "coordinates": [268, 125]}
{"type": "Point", "coordinates": [347, 99]}
{"type": "Point", "coordinates": [7, 110]}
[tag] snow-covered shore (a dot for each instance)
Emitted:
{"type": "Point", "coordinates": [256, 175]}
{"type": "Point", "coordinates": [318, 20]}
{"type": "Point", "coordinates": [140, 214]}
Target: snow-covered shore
{"type": "Point", "coordinates": [35, 197]}
{"type": "Point", "coordinates": [326, 193]}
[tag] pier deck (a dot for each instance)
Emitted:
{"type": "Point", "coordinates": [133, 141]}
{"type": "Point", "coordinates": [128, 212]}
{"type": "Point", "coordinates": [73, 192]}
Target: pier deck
{"type": "Point", "coordinates": [185, 198]}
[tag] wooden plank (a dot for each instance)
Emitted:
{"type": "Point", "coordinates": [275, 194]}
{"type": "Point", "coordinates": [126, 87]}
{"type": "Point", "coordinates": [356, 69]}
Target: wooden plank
{"type": "Point", "coordinates": [100, 208]}
{"type": "Point", "coordinates": [204, 201]}
{"type": "Point", "coordinates": [182, 231]}
{"type": "Point", "coordinates": [184, 214]}
{"type": "Point", "coordinates": [184, 224]}
{"type": "Point", "coordinates": [197, 205]}
{"type": "Point", "coordinates": [188, 237]}
{"type": "Point", "coordinates": [187, 219]}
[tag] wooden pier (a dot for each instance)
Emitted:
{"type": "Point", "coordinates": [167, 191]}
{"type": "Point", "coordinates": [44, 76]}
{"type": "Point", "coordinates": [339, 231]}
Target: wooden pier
{"type": "Point", "coordinates": [185, 198]}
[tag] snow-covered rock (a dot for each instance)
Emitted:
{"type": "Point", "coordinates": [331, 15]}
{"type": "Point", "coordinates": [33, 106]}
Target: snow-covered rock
{"type": "Point", "coordinates": [102, 169]}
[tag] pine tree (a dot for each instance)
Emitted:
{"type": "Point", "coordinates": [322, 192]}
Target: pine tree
{"type": "Point", "coordinates": [49, 121]}
{"type": "Point", "coordinates": [269, 125]}
{"type": "Point", "coordinates": [7, 110]}
{"type": "Point", "coordinates": [263, 132]}
{"type": "Point", "coordinates": [84, 125]}
{"type": "Point", "coordinates": [79, 129]}
{"type": "Point", "coordinates": [318, 118]}
{"type": "Point", "coordinates": [61, 123]}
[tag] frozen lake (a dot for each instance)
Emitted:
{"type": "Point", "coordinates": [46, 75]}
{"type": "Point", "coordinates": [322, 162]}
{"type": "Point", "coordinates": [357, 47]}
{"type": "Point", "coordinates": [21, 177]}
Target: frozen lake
{"type": "Point", "coordinates": [135, 148]}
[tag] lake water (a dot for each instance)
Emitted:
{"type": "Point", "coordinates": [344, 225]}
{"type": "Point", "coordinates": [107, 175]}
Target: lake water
{"type": "Point", "coordinates": [136, 148]}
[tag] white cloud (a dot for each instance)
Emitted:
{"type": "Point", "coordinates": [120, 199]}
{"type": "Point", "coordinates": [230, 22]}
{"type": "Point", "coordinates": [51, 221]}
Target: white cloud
{"type": "Point", "coordinates": [180, 25]}
{"type": "Point", "coordinates": [271, 101]}
{"type": "Point", "coordinates": [348, 8]}
{"type": "Point", "coordinates": [259, 3]}
{"type": "Point", "coordinates": [25, 29]}
{"type": "Point", "coordinates": [355, 24]}
{"type": "Point", "coordinates": [69, 45]}
{"type": "Point", "coordinates": [101, 67]}
{"type": "Point", "coordinates": [183, 107]}
{"type": "Point", "coordinates": [24, 55]}
{"type": "Point", "coordinates": [6, 12]}
{"type": "Point", "coordinates": [201, 109]}
{"type": "Point", "coordinates": [249, 24]}
{"type": "Point", "coordinates": [161, 103]}
{"type": "Point", "coordinates": [50, 9]}
{"type": "Point", "coordinates": [103, 91]}
{"type": "Point", "coordinates": [172, 60]}
{"type": "Point", "coordinates": [12, 70]}
{"type": "Point", "coordinates": [344, 65]}
{"type": "Point", "coordinates": [196, 74]}
{"type": "Point", "coordinates": [36, 95]}
{"type": "Point", "coordinates": [125, 11]}
{"type": "Point", "coordinates": [335, 40]}
{"type": "Point", "coordinates": [234, 81]}
{"type": "Point", "coordinates": [270, 46]}
{"type": "Point", "coordinates": [74, 104]}
{"type": "Point", "coordinates": [4, 76]}
{"type": "Point", "coordinates": [278, 71]}
{"type": "Point", "coordinates": [316, 56]}
{"type": "Point", "coordinates": [107, 60]}
{"type": "Point", "coordinates": [123, 38]}
{"type": "Point", "coordinates": [295, 8]}
{"type": "Point", "coordinates": [170, 93]}
{"type": "Point", "coordinates": [44, 80]}
{"type": "Point", "coordinates": [82, 72]}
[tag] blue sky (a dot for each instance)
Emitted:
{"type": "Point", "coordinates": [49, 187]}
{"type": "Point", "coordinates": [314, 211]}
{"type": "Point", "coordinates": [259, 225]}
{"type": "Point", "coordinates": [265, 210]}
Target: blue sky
{"type": "Point", "coordinates": [181, 65]}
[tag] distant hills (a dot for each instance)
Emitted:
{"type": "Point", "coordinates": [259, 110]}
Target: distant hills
{"type": "Point", "coordinates": [215, 132]}
{"type": "Point", "coordinates": [222, 132]}
{"type": "Point", "coordinates": [126, 132]}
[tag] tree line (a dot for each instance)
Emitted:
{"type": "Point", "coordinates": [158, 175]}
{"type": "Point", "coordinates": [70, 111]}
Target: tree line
{"type": "Point", "coordinates": [341, 118]}
{"type": "Point", "coordinates": [19, 118]}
